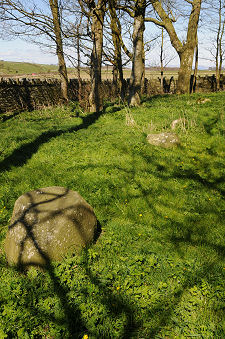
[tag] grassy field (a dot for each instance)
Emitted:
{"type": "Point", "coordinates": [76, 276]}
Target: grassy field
{"type": "Point", "coordinates": [158, 269]}
{"type": "Point", "coordinates": [18, 69]}
{"type": "Point", "coordinates": [21, 68]}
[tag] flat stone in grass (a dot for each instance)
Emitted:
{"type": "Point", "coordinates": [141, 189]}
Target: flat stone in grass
{"type": "Point", "coordinates": [203, 100]}
{"type": "Point", "coordinates": [166, 140]}
{"type": "Point", "coordinates": [48, 223]}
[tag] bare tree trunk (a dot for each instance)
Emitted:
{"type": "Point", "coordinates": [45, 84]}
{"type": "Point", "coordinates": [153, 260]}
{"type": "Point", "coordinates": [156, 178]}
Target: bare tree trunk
{"type": "Point", "coordinates": [138, 57]}
{"type": "Point", "coordinates": [78, 70]}
{"type": "Point", "coordinates": [184, 74]}
{"type": "Point", "coordinates": [219, 52]}
{"type": "Point", "coordinates": [187, 53]}
{"type": "Point", "coordinates": [96, 98]}
{"type": "Point", "coordinates": [59, 48]}
{"type": "Point", "coordinates": [117, 37]}
{"type": "Point", "coordinates": [115, 74]}
{"type": "Point", "coordinates": [78, 61]}
{"type": "Point", "coordinates": [185, 50]}
{"type": "Point", "coordinates": [217, 63]}
{"type": "Point", "coordinates": [193, 85]}
{"type": "Point", "coordinates": [161, 62]}
{"type": "Point", "coordinates": [143, 76]}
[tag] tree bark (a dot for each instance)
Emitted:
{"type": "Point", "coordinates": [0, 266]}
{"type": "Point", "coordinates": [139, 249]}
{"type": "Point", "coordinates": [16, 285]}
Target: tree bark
{"type": "Point", "coordinates": [116, 37]}
{"type": "Point", "coordinates": [185, 50]}
{"type": "Point", "coordinates": [138, 54]}
{"type": "Point", "coordinates": [143, 75]}
{"type": "Point", "coordinates": [219, 52]}
{"type": "Point", "coordinates": [59, 48]}
{"type": "Point", "coordinates": [161, 61]}
{"type": "Point", "coordinates": [78, 38]}
{"type": "Point", "coordinates": [95, 97]}
{"type": "Point", "coordinates": [184, 74]}
{"type": "Point", "coordinates": [187, 53]}
{"type": "Point", "coordinates": [194, 77]}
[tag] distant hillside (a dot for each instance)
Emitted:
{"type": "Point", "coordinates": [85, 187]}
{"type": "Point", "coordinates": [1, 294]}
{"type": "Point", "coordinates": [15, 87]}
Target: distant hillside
{"type": "Point", "coordinates": [166, 69]}
{"type": "Point", "coordinates": [18, 68]}
{"type": "Point", "coordinates": [31, 70]}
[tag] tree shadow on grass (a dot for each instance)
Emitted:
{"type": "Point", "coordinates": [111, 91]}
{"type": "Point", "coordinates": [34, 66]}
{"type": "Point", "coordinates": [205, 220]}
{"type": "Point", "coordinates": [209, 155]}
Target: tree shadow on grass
{"type": "Point", "coordinates": [192, 174]}
{"type": "Point", "coordinates": [116, 304]}
{"type": "Point", "coordinates": [27, 219]}
{"type": "Point", "coordinates": [6, 117]}
{"type": "Point", "coordinates": [180, 235]}
{"type": "Point", "coordinates": [155, 97]}
{"type": "Point", "coordinates": [163, 310]}
{"type": "Point", "coordinates": [166, 310]}
{"type": "Point", "coordinates": [22, 154]}
{"type": "Point", "coordinates": [110, 107]}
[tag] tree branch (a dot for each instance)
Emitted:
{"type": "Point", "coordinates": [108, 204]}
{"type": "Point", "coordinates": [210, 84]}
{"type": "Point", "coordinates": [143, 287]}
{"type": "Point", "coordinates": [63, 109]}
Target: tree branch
{"type": "Point", "coordinates": [155, 21]}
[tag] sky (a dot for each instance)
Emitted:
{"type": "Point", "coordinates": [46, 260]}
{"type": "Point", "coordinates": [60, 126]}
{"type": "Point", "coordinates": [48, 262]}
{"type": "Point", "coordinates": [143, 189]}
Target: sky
{"type": "Point", "coordinates": [19, 50]}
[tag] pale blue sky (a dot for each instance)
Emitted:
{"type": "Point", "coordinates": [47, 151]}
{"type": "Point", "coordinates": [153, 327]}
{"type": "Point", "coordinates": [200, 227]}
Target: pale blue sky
{"type": "Point", "coordinates": [19, 50]}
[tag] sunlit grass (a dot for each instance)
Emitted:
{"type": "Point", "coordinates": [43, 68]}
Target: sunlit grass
{"type": "Point", "coordinates": [157, 269]}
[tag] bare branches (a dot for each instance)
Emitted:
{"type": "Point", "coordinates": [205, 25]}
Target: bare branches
{"type": "Point", "coordinates": [216, 29]}
{"type": "Point", "coordinates": [128, 9]}
{"type": "Point", "coordinates": [155, 21]}
{"type": "Point", "coordinates": [24, 22]}
{"type": "Point", "coordinates": [166, 22]}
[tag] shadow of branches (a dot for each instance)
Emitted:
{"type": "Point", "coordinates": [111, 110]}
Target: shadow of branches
{"type": "Point", "coordinates": [175, 235]}
{"type": "Point", "coordinates": [115, 304]}
{"type": "Point", "coordinates": [71, 313]}
{"type": "Point", "coordinates": [22, 154]}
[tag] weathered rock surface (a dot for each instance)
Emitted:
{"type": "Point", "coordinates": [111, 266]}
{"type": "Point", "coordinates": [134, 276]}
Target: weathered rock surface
{"type": "Point", "coordinates": [166, 140]}
{"type": "Point", "coordinates": [46, 224]}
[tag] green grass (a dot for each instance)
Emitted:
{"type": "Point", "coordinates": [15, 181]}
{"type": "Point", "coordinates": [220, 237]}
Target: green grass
{"type": "Point", "coordinates": [157, 269]}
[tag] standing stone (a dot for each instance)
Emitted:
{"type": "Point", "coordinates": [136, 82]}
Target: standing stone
{"type": "Point", "coordinates": [48, 223]}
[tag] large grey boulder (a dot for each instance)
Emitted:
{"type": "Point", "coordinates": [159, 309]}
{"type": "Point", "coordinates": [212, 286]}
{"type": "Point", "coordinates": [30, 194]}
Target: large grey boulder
{"type": "Point", "coordinates": [166, 140]}
{"type": "Point", "coordinates": [48, 223]}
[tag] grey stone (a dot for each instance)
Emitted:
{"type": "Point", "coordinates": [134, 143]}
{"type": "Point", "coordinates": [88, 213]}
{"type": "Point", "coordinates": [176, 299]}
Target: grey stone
{"type": "Point", "coordinates": [47, 224]}
{"type": "Point", "coordinates": [166, 140]}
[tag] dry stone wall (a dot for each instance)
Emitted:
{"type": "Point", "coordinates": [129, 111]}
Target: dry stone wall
{"type": "Point", "coordinates": [29, 94]}
{"type": "Point", "coordinates": [208, 83]}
